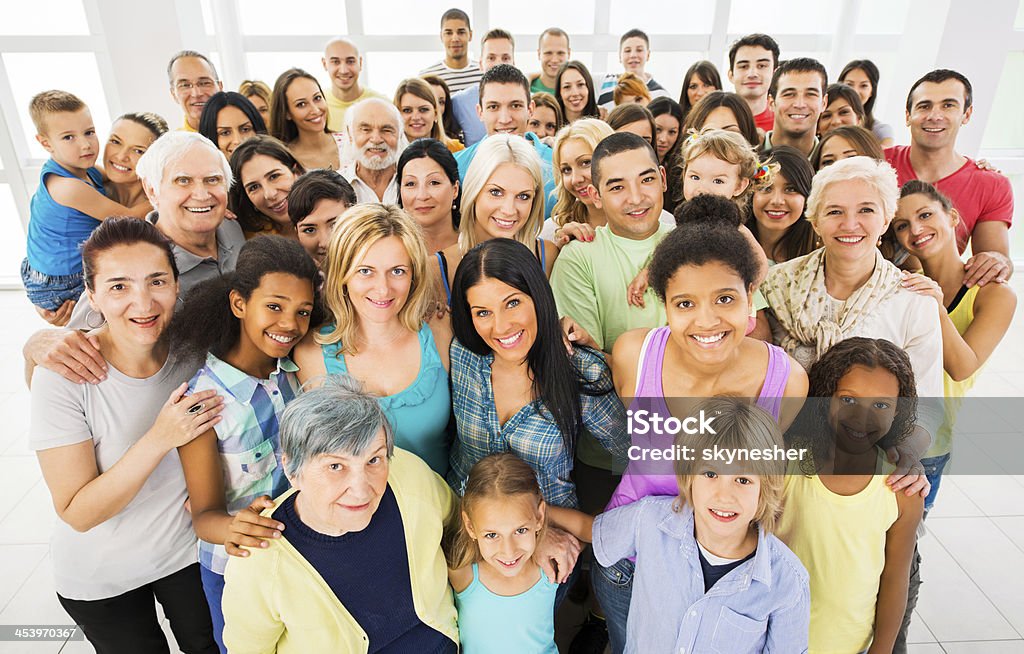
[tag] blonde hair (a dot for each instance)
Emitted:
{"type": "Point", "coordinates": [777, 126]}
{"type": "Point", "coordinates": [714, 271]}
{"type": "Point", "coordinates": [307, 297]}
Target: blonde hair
{"type": "Point", "coordinates": [568, 208]}
{"type": "Point", "coordinates": [727, 146]}
{"type": "Point", "coordinates": [492, 152]}
{"type": "Point", "coordinates": [494, 477]}
{"type": "Point", "coordinates": [878, 174]}
{"type": "Point", "coordinates": [254, 87]}
{"type": "Point", "coordinates": [422, 90]}
{"type": "Point", "coordinates": [630, 84]}
{"type": "Point", "coordinates": [357, 230]}
{"type": "Point", "coordinates": [739, 425]}
{"type": "Point", "coordinates": [47, 103]}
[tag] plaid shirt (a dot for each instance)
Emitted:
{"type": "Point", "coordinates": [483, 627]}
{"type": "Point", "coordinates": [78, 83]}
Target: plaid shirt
{"type": "Point", "coordinates": [247, 436]}
{"type": "Point", "coordinates": [530, 434]}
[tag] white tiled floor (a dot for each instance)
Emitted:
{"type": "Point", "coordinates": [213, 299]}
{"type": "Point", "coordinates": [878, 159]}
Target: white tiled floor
{"type": "Point", "coordinates": [973, 554]}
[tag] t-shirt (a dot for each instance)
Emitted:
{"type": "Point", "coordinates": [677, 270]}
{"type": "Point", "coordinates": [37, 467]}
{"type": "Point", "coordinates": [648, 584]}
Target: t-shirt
{"type": "Point", "coordinates": [765, 120]}
{"type": "Point", "coordinates": [464, 105]}
{"type": "Point", "coordinates": [537, 86]}
{"type": "Point", "coordinates": [456, 78]}
{"type": "Point", "coordinates": [978, 195]}
{"type": "Point", "coordinates": [336, 108]}
{"type": "Point", "coordinates": [152, 536]}
{"type": "Point", "coordinates": [606, 99]}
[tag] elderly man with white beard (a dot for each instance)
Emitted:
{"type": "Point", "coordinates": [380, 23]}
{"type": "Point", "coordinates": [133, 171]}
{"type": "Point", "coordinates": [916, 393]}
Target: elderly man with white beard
{"type": "Point", "coordinates": [374, 140]}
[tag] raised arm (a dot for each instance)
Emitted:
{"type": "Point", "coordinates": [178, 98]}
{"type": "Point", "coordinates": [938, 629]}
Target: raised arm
{"type": "Point", "coordinates": [76, 194]}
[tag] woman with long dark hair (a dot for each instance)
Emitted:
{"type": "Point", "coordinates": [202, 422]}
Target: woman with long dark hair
{"type": "Point", "coordinates": [700, 79]}
{"type": "Point", "coordinates": [776, 217]}
{"type": "Point", "coordinates": [230, 118]}
{"type": "Point", "coordinates": [298, 119]}
{"type": "Point", "coordinates": [862, 75]}
{"type": "Point", "coordinates": [429, 191]}
{"type": "Point", "coordinates": [723, 110]}
{"type": "Point", "coordinates": [574, 91]}
{"type": "Point", "coordinates": [264, 170]}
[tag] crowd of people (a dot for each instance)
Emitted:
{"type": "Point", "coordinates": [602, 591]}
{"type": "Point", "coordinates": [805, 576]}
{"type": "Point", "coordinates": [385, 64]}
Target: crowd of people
{"type": "Point", "coordinates": [354, 371]}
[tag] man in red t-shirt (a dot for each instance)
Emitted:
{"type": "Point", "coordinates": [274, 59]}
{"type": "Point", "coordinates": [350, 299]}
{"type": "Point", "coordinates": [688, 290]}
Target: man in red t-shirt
{"type": "Point", "coordinates": [937, 106]}
{"type": "Point", "coordinates": [752, 60]}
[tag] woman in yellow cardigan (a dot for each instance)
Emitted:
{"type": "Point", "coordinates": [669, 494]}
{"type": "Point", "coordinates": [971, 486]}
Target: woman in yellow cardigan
{"type": "Point", "coordinates": [358, 564]}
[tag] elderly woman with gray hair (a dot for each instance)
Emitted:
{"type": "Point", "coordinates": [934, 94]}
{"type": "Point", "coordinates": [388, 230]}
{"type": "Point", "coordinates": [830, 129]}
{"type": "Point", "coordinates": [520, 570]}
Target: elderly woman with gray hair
{"type": "Point", "coordinates": [359, 567]}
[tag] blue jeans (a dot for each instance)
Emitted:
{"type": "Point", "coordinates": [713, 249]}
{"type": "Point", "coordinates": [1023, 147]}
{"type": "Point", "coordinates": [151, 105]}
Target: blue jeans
{"type": "Point", "coordinates": [933, 467]}
{"type": "Point", "coordinates": [613, 587]}
{"type": "Point", "coordinates": [50, 291]}
{"type": "Point", "coordinates": [213, 587]}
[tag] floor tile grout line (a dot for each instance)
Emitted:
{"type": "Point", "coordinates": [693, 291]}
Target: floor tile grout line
{"type": "Point", "coordinates": [14, 505]}
{"type": "Point", "coordinates": [27, 578]}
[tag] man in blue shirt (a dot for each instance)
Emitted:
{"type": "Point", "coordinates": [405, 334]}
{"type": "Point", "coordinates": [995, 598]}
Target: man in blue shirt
{"type": "Point", "coordinates": [505, 107]}
{"type": "Point", "coordinates": [498, 47]}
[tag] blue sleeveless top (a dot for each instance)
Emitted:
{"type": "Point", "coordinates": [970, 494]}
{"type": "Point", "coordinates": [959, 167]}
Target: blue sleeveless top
{"type": "Point", "coordinates": [497, 624]}
{"type": "Point", "coordinates": [419, 413]}
{"type": "Point", "coordinates": [56, 232]}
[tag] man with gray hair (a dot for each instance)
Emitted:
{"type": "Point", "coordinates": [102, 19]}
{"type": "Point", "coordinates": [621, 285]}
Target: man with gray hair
{"type": "Point", "coordinates": [374, 140]}
{"type": "Point", "coordinates": [193, 80]}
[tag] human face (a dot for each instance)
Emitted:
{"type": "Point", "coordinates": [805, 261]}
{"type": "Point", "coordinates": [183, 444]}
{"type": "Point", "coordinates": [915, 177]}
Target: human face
{"type": "Point", "coordinates": [666, 134]}
{"type": "Point", "coordinates": [751, 72]}
{"type": "Point", "coordinates": [631, 192]}
{"type": "Point", "coordinates": [306, 105]}
{"type": "Point", "coordinates": [778, 205]}
{"type": "Point", "coordinates": [504, 317]}
{"type": "Point", "coordinates": [553, 52]}
{"type": "Point", "coordinates": [497, 51]}
{"type": "Point", "coordinates": [713, 176]}
{"type": "Point", "coordinates": [798, 102]}
{"type": "Point", "coordinates": [442, 101]}
{"type": "Point", "coordinates": [724, 505]}
{"type": "Point", "coordinates": [375, 136]}
{"type": "Point", "coordinates": [575, 94]}
{"type": "Point", "coordinates": [127, 142]}
{"type": "Point", "coordinates": [936, 114]}
{"type": "Point", "coordinates": [697, 89]}
{"type": "Point", "coordinates": [504, 109]}
{"type": "Point", "coordinates": [641, 128]}
{"type": "Point", "coordinates": [71, 140]}
{"type": "Point", "coordinates": [542, 121]}
{"type": "Point", "coordinates": [343, 64]}
{"type": "Point", "coordinates": [418, 115]}
{"type": "Point", "coordinates": [722, 118]}
{"type": "Point", "coordinates": [135, 290]}
{"type": "Point", "coordinates": [427, 193]}
{"type": "Point", "coordinates": [505, 530]}
{"type": "Point", "coordinates": [860, 83]}
{"type": "Point", "coordinates": [837, 113]}
{"type": "Point", "coordinates": [268, 182]}
{"type": "Point", "coordinates": [314, 231]}
{"type": "Point", "coordinates": [192, 83]}
{"type": "Point", "coordinates": [380, 281]}
{"type": "Point", "coordinates": [504, 204]}
{"type": "Point", "coordinates": [707, 308]}
{"type": "Point", "coordinates": [274, 318]}
{"type": "Point", "coordinates": [575, 157]}
{"type": "Point", "coordinates": [633, 55]}
{"type": "Point", "coordinates": [193, 193]}
{"type": "Point", "coordinates": [834, 149]}
{"type": "Point", "coordinates": [923, 227]}
{"type": "Point", "coordinates": [455, 35]}
{"type": "Point", "coordinates": [261, 107]}
{"type": "Point", "coordinates": [862, 409]}
{"type": "Point", "coordinates": [851, 221]}
{"type": "Point", "coordinates": [340, 492]}
{"type": "Point", "coordinates": [233, 127]}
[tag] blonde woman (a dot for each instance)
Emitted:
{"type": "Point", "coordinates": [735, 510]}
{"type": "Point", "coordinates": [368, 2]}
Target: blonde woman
{"type": "Point", "coordinates": [258, 93]}
{"type": "Point", "coordinates": [421, 115]}
{"type": "Point", "coordinates": [502, 197]}
{"type": "Point", "coordinates": [376, 289]}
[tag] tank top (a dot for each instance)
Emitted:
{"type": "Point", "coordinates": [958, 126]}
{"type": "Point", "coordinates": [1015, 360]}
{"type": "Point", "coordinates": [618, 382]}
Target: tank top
{"type": "Point", "coordinates": [840, 539]}
{"type": "Point", "coordinates": [419, 413]}
{"type": "Point", "coordinates": [442, 263]}
{"type": "Point", "coordinates": [961, 314]}
{"type": "Point", "coordinates": [498, 624]}
{"type": "Point", "coordinates": [56, 232]}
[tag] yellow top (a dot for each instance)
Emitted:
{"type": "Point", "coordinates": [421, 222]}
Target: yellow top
{"type": "Point", "coordinates": [185, 127]}
{"type": "Point", "coordinates": [841, 541]}
{"type": "Point", "coordinates": [954, 391]}
{"type": "Point", "coordinates": [336, 108]}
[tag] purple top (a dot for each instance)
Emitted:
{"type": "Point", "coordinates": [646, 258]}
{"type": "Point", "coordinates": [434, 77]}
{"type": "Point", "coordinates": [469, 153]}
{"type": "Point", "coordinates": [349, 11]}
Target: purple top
{"type": "Point", "coordinates": [648, 385]}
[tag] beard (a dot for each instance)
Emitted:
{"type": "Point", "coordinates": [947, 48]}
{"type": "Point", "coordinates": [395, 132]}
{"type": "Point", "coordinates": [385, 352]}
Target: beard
{"type": "Point", "coordinates": [370, 162]}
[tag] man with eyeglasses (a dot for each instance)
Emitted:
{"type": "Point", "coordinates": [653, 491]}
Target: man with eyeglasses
{"type": "Point", "coordinates": [193, 80]}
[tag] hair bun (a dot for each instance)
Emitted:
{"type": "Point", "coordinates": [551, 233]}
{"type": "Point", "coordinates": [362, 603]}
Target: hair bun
{"type": "Point", "coordinates": [708, 209]}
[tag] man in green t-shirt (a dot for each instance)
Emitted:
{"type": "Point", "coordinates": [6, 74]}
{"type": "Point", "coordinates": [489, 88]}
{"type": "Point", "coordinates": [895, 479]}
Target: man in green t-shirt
{"type": "Point", "coordinates": [552, 51]}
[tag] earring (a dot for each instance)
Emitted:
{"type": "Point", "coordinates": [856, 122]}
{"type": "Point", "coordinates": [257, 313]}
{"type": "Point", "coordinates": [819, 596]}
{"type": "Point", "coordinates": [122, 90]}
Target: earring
{"type": "Point", "coordinates": [879, 241]}
{"type": "Point", "coordinates": [89, 315]}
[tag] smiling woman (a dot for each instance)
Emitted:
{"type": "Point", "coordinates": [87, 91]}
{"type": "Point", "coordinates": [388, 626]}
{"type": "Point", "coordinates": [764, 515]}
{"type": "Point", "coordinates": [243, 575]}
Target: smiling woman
{"type": "Point", "coordinates": [299, 119]}
{"type": "Point", "coordinates": [264, 171]}
{"type": "Point", "coordinates": [228, 119]}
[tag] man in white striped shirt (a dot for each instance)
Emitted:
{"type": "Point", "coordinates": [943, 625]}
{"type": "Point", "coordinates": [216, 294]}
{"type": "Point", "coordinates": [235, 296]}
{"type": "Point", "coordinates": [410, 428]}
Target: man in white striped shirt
{"type": "Point", "coordinates": [456, 69]}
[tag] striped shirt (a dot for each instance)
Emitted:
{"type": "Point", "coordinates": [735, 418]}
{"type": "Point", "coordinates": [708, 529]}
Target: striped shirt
{"type": "Point", "coordinates": [606, 90]}
{"type": "Point", "coordinates": [456, 78]}
{"type": "Point", "coordinates": [531, 433]}
{"type": "Point", "coordinates": [247, 436]}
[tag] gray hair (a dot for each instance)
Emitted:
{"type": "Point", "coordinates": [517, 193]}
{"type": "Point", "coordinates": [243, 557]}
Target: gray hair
{"type": "Point", "coordinates": [336, 418]}
{"type": "Point", "coordinates": [877, 174]}
{"type": "Point", "coordinates": [168, 149]}
{"type": "Point", "coordinates": [189, 53]}
{"type": "Point", "coordinates": [349, 152]}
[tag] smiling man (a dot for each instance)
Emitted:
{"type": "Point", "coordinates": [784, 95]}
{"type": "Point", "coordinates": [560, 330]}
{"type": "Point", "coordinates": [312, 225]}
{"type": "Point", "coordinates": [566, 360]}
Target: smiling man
{"type": "Point", "coordinates": [938, 105]}
{"type": "Point", "coordinates": [456, 69]}
{"type": "Point", "coordinates": [797, 97]}
{"type": "Point", "coordinates": [343, 64]}
{"type": "Point", "coordinates": [193, 80]}
{"type": "Point", "coordinates": [634, 53]}
{"type": "Point", "coordinates": [498, 47]}
{"type": "Point", "coordinates": [752, 61]}
{"type": "Point", "coordinates": [374, 140]}
{"type": "Point", "coordinates": [552, 51]}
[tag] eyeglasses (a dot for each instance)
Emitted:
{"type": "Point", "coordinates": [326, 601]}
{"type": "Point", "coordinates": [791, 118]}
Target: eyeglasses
{"type": "Point", "coordinates": [186, 86]}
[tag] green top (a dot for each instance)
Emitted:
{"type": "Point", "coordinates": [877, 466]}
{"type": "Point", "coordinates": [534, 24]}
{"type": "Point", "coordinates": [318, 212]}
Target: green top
{"type": "Point", "coordinates": [537, 86]}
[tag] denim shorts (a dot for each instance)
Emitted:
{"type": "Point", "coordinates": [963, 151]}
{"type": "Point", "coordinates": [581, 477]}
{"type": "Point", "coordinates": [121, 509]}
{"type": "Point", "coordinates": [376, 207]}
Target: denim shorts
{"type": "Point", "coordinates": [50, 291]}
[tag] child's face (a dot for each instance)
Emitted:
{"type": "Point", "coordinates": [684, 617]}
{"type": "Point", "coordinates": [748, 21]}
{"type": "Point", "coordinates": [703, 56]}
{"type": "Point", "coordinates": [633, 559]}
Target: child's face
{"type": "Point", "coordinates": [276, 315]}
{"type": "Point", "coordinates": [71, 139]}
{"type": "Point", "coordinates": [709, 174]}
{"type": "Point", "coordinates": [707, 308]}
{"type": "Point", "coordinates": [863, 408]}
{"type": "Point", "coordinates": [315, 230]}
{"type": "Point", "coordinates": [505, 530]}
{"type": "Point", "coordinates": [724, 505]}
